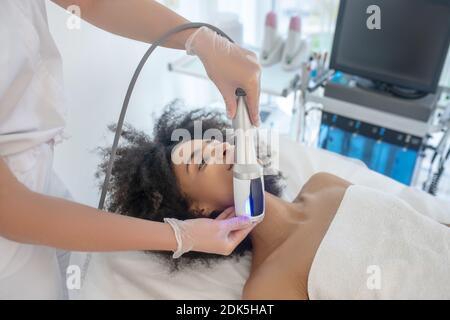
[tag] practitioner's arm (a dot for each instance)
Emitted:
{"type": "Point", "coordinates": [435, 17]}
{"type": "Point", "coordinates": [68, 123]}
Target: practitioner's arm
{"type": "Point", "coordinates": [33, 218]}
{"type": "Point", "coordinates": [142, 20]}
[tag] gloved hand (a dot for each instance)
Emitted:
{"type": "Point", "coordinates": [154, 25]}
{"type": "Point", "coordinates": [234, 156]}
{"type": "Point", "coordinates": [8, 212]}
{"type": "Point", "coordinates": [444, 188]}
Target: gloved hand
{"type": "Point", "coordinates": [229, 67]}
{"type": "Point", "coordinates": [219, 236]}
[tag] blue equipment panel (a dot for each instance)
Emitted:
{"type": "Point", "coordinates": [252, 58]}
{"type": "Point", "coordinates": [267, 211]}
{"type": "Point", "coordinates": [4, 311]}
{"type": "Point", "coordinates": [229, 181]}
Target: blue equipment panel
{"type": "Point", "coordinates": [386, 151]}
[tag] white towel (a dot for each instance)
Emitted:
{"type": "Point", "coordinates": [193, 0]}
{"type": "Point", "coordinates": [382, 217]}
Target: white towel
{"type": "Point", "coordinates": [380, 247]}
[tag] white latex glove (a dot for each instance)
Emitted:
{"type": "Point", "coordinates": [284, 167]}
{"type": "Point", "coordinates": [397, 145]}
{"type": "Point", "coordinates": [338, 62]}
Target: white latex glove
{"type": "Point", "coordinates": [229, 67]}
{"type": "Point", "coordinates": [219, 236]}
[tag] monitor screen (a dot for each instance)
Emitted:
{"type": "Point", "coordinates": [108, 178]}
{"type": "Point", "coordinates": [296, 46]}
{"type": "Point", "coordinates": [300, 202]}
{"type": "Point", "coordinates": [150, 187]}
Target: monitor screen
{"type": "Point", "coordinates": [408, 49]}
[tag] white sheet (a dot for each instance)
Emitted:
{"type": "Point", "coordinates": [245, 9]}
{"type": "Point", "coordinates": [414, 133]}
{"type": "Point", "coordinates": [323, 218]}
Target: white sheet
{"type": "Point", "coordinates": [139, 276]}
{"type": "Point", "coordinates": [380, 247]}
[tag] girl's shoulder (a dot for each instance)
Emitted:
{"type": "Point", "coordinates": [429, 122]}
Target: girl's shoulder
{"type": "Point", "coordinates": [321, 184]}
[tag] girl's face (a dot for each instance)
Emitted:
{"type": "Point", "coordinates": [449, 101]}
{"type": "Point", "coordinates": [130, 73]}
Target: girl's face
{"type": "Point", "coordinates": [203, 169]}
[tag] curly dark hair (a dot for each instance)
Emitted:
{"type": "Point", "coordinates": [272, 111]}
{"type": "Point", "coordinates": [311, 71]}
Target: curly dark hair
{"type": "Point", "coordinates": [143, 183]}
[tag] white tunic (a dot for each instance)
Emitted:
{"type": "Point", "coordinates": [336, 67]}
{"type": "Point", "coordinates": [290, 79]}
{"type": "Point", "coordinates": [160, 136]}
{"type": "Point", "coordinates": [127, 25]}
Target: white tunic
{"type": "Point", "coordinates": [31, 118]}
{"type": "Point", "coordinates": [31, 95]}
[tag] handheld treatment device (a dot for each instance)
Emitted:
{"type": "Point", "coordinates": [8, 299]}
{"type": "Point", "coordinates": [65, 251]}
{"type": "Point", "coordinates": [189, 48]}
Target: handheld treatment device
{"type": "Point", "coordinates": [248, 178]}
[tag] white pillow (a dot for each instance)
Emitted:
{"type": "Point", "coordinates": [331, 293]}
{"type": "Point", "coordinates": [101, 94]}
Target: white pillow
{"type": "Point", "coordinates": [137, 275]}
